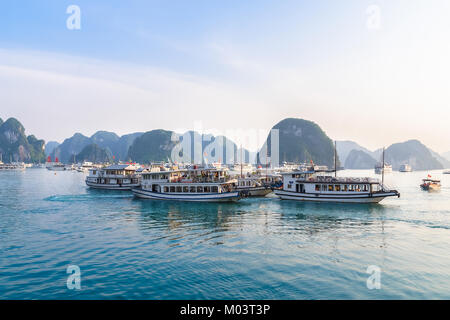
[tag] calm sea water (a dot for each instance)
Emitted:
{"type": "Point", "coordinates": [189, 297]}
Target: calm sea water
{"type": "Point", "coordinates": [128, 248]}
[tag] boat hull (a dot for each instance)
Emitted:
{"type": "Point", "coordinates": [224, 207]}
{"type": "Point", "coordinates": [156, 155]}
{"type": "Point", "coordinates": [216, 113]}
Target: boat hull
{"type": "Point", "coordinates": [56, 168]}
{"type": "Point", "coordinates": [430, 188]}
{"type": "Point", "coordinates": [207, 197]}
{"type": "Point", "coordinates": [255, 192]}
{"type": "Point", "coordinates": [357, 198]}
{"type": "Point", "coordinates": [111, 186]}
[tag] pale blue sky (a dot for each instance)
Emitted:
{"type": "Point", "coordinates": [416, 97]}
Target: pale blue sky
{"type": "Point", "coordinates": [142, 65]}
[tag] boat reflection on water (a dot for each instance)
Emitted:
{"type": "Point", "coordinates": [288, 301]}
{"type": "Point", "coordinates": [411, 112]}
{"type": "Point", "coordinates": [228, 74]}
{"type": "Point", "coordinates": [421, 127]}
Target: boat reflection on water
{"type": "Point", "coordinates": [301, 221]}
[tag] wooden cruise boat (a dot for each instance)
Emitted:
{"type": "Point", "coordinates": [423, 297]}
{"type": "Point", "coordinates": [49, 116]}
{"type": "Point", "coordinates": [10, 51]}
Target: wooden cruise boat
{"type": "Point", "coordinates": [114, 177]}
{"type": "Point", "coordinates": [200, 184]}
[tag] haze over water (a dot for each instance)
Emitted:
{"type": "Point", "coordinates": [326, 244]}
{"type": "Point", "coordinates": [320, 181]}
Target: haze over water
{"type": "Point", "coordinates": [128, 248]}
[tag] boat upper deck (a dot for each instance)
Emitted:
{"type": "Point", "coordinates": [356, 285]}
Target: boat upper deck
{"type": "Point", "coordinates": [324, 177]}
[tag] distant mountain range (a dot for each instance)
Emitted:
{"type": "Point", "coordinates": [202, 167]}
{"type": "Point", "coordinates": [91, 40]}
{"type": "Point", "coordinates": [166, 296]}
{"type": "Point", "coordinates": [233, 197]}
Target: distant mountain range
{"type": "Point", "coordinates": [411, 152]}
{"type": "Point", "coordinates": [344, 148]}
{"type": "Point", "coordinates": [299, 141]}
{"type": "Point", "coordinates": [110, 142]}
{"type": "Point", "coordinates": [16, 146]}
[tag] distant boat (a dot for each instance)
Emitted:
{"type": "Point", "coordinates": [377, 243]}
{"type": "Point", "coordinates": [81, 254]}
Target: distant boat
{"type": "Point", "coordinates": [430, 184]}
{"type": "Point", "coordinates": [114, 177]}
{"type": "Point", "coordinates": [379, 168]}
{"type": "Point", "coordinates": [57, 166]}
{"type": "Point", "coordinates": [12, 166]}
{"type": "Point", "coordinates": [405, 168]}
{"type": "Point", "coordinates": [253, 186]}
{"type": "Point", "coordinates": [446, 172]}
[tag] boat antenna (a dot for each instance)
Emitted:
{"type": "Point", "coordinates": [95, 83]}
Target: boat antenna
{"type": "Point", "coordinates": [335, 160]}
{"type": "Point", "coordinates": [382, 170]}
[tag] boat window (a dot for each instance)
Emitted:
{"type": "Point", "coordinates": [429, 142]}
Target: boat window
{"type": "Point", "coordinates": [330, 187]}
{"type": "Point", "coordinates": [317, 187]}
{"type": "Point", "coordinates": [185, 189]}
{"type": "Point", "coordinates": [337, 187]}
{"type": "Point", "coordinates": [214, 189]}
{"type": "Point", "coordinates": [199, 189]}
{"type": "Point", "coordinates": [365, 187]}
{"type": "Point", "coordinates": [345, 188]}
{"type": "Point", "coordinates": [324, 187]}
{"type": "Point", "coordinates": [207, 189]}
{"type": "Point", "coordinates": [94, 172]}
{"type": "Point", "coordinates": [191, 189]}
{"type": "Point", "coordinates": [179, 189]}
{"type": "Point", "coordinates": [293, 176]}
{"type": "Point", "coordinates": [166, 189]}
{"type": "Point", "coordinates": [358, 188]}
{"type": "Point", "coordinates": [172, 189]}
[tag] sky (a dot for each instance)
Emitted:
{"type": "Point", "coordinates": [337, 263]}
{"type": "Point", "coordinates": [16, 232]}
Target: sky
{"type": "Point", "coordinates": [374, 72]}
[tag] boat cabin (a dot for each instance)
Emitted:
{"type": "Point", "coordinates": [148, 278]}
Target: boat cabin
{"type": "Point", "coordinates": [318, 183]}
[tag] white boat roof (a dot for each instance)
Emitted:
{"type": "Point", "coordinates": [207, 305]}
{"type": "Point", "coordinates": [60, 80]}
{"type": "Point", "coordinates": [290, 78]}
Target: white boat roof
{"type": "Point", "coordinates": [121, 167]}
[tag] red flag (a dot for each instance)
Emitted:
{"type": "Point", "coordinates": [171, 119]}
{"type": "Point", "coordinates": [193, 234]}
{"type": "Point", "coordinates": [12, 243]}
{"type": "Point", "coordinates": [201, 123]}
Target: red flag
{"type": "Point", "coordinates": [49, 159]}
{"type": "Point", "coordinates": [56, 159]}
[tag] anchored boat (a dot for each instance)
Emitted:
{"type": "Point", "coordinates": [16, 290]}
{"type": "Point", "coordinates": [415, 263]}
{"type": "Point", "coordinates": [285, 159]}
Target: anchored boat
{"type": "Point", "coordinates": [115, 177]}
{"type": "Point", "coordinates": [318, 186]}
{"type": "Point", "coordinates": [380, 168]}
{"type": "Point", "coordinates": [204, 184]}
{"type": "Point", "coordinates": [12, 166]}
{"type": "Point", "coordinates": [253, 186]}
{"type": "Point", "coordinates": [405, 168]}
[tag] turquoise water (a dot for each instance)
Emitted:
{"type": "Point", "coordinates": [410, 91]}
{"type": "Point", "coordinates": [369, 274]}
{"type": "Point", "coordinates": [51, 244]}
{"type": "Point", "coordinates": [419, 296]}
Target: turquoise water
{"type": "Point", "coordinates": [128, 248]}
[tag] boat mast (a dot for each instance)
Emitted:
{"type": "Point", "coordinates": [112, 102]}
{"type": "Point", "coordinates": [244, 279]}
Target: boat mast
{"type": "Point", "coordinates": [241, 162]}
{"type": "Point", "coordinates": [382, 172]}
{"type": "Point", "coordinates": [267, 156]}
{"type": "Point", "coordinates": [335, 160]}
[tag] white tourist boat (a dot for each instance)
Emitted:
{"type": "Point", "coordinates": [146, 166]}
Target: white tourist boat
{"type": "Point", "coordinates": [253, 186]}
{"type": "Point", "coordinates": [318, 185]}
{"type": "Point", "coordinates": [379, 168]}
{"type": "Point", "coordinates": [200, 184]}
{"type": "Point", "coordinates": [405, 168]}
{"type": "Point", "coordinates": [86, 166]}
{"type": "Point", "coordinates": [114, 177]}
{"type": "Point", "coordinates": [13, 166]}
{"type": "Point", "coordinates": [321, 186]}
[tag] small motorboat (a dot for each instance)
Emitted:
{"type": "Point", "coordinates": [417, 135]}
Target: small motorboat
{"type": "Point", "coordinates": [430, 184]}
